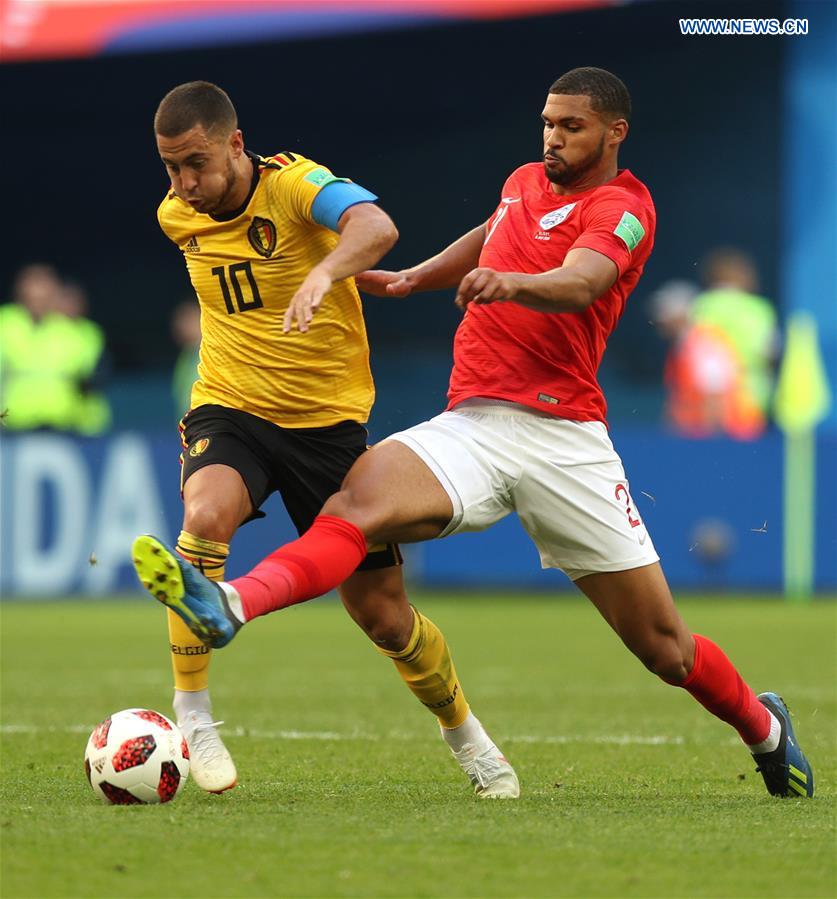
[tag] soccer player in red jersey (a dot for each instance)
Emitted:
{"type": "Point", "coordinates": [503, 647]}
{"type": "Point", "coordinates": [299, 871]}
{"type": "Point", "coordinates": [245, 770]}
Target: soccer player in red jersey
{"type": "Point", "coordinates": [542, 284]}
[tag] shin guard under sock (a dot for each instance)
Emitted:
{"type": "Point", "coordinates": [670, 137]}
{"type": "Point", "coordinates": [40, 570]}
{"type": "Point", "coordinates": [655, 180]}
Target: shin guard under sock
{"type": "Point", "coordinates": [719, 688]}
{"type": "Point", "coordinates": [426, 667]}
{"type": "Point", "coordinates": [189, 656]}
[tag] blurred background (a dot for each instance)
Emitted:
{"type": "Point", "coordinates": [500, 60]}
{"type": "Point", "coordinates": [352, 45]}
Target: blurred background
{"type": "Point", "coordinates": [719, 377]}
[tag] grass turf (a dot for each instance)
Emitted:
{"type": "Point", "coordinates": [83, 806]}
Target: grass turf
{"type": "Point", "coordinates": [629, 788]}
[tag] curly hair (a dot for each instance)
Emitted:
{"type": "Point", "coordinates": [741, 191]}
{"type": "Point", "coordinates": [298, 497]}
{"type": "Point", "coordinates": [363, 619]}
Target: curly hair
{"type": "Point", "coordinates": [608, 95]}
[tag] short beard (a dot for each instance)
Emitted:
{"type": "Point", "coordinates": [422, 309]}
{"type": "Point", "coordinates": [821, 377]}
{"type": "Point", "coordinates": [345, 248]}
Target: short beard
{"type": "Point", "coordinates": [229, 187]}
{"type": "Point", "coordinates": [572, 174]}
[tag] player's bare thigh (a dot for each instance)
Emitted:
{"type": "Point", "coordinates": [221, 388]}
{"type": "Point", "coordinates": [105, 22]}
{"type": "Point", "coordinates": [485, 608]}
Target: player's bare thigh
{"type": "Point", "coordinates": [215, 502]}
{"type": "Point", "coordinates": [377, 601]}
{"type": "Point", "coordinates": [392, 496]}
{"type": "Point", "coordinates": [638, 605]}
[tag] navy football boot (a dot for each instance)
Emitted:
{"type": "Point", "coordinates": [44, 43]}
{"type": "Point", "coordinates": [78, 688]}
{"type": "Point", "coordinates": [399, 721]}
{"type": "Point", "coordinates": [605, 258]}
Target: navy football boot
{"type": "Point", "coordinates": [786, 771]}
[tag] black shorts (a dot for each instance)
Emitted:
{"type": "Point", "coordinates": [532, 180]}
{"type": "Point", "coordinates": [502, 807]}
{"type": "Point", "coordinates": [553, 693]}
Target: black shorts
{"type": "Point", "coordinates": [306, 465]}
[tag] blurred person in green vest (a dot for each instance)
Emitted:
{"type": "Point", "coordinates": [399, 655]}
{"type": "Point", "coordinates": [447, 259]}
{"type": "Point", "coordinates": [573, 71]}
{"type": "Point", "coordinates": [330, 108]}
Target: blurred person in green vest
{"type": "Point", "coordinates": [47, 358]}
{"type": "Point", "coordinates": [35, 389]}
{"type": "Point", "coordinates": [731, 305]}
{"type": "Point", "coordinates": [92, 361]}
{"type": "Point", "coordinates": [186, 331]}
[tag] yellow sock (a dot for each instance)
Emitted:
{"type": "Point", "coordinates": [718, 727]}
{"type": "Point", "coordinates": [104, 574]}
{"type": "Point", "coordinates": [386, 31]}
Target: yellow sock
{"type": "Point", "coordinates": [426, 667]}
{"type": "Point", "coordinates": [207, 556]}
{"type": "Point", "coordinates": [190, 657]}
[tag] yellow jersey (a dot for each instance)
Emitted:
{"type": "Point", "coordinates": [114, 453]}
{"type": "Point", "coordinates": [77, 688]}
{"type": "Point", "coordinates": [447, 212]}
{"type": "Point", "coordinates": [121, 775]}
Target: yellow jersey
{"type": "Point", "coordinates": [245, 269]}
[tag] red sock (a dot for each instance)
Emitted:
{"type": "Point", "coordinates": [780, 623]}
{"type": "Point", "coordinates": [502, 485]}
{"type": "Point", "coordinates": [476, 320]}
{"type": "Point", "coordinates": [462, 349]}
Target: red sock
{"type": "Point", "coordinates": [718, 687]}
{"type": "Point", "coordinates": [320, 560]}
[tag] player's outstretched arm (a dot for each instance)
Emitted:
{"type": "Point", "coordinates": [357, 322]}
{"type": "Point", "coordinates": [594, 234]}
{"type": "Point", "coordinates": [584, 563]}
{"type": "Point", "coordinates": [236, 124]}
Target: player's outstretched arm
{"type": "Point", "coordinates": [580, 281]}
{"type": "Point", "coordinates": [445, 269]}
{"type": "Point", "coordinates": [366, 234]}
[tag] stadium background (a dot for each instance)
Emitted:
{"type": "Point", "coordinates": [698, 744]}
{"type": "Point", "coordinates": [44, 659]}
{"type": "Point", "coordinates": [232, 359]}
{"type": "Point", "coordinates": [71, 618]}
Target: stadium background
{"type": "Point", "coordinates": [432, 114]}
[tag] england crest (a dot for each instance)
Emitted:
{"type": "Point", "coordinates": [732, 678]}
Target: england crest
{"type": "Point", "coordinates": [551, 219]}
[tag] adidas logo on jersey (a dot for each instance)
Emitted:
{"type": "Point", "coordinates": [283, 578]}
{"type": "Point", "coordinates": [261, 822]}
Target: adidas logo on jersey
{"type": "Point", "coordinates": [192, 246]}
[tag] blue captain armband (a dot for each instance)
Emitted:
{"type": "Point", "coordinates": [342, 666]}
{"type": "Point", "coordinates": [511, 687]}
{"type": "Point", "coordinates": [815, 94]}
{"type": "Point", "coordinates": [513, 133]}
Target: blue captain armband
{"type": "Point", "coordinates": [335, 198]}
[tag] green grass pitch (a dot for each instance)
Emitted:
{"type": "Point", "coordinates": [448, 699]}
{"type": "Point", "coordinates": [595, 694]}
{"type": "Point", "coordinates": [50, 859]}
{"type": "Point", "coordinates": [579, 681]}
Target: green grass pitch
{"type": "Point", "coordinates": [629, 788]}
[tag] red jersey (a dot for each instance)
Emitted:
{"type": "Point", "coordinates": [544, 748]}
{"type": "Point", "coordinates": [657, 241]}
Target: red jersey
{"type": "Point", "coordinates": [549, 360]}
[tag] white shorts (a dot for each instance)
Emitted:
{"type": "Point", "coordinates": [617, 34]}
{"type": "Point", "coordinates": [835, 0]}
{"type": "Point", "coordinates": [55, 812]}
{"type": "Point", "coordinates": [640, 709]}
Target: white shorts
{"type": "Point", "coordinates": [562, 477]}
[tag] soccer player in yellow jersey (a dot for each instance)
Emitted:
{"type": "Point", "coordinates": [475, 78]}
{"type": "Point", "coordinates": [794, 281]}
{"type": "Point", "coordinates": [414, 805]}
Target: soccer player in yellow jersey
{"type": "Point", "coordinates": [271, 245]}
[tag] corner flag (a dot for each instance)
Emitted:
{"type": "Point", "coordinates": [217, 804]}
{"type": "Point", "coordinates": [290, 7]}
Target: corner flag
{"type": "Point", "coordinates": [802, 401]}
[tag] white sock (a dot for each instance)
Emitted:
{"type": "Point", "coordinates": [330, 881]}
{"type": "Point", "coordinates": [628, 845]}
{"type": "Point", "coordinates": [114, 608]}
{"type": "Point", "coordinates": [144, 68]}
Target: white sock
{"type": "Point", "coordinates": [772, 740]}
{"type": "Point", "coordinates": [233, 600]}
{"type": "Point", "coordinates": [188, 701]}
{"type": "Point", "coordinates": [470, 731]}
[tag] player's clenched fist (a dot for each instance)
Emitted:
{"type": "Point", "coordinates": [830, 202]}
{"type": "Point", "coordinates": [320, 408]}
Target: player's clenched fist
{"type": "Point", "coordinates": [306, 301]}
{"type": "Point", "coordinates": [484, 285]}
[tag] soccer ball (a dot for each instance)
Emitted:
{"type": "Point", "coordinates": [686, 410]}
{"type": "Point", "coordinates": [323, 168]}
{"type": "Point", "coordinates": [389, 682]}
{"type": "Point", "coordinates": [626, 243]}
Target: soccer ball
{"type": "Point", "coordinates": [135, 757]}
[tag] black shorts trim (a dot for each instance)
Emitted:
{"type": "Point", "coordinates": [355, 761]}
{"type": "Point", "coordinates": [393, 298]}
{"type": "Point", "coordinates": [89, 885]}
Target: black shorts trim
{"type": "Point", "coordinates": [387, 557]}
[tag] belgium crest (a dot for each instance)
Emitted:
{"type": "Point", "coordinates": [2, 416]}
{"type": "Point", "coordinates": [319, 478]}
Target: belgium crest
{"type": "Point", "coordinates": [262, 236]}
{"type": "Point", "coordinates": [199, 447]}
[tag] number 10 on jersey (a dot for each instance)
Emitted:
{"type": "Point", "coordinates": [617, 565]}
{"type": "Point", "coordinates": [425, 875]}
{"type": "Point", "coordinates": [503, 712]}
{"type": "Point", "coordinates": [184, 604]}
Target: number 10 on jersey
{"type": "Point", "coordinates": [231, 275]}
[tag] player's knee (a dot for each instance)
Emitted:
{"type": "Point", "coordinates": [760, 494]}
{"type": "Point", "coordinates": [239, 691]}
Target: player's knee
{"type": "Point", "coordinates": [207, 521]}
{"type": "Point", "coordinates": [366, 515]}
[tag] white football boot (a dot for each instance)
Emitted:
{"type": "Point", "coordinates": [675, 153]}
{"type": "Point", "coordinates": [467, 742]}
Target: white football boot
{"type": "Point", "coordinates": [211, 766]}
{"type": "Point", "coordinates": [478, 756]}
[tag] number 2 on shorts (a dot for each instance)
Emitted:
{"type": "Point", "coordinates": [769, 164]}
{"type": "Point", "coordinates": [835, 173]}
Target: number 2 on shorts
{"type": "Point", "coordinates": [622, 493]}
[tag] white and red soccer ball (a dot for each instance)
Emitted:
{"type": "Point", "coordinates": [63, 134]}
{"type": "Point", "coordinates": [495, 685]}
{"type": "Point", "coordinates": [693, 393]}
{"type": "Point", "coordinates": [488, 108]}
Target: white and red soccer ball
{"type": "Point", "coordinates": [136, 756]}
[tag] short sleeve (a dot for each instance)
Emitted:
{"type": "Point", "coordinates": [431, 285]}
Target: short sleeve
{"type": "Point", "coordinates": [514, 186]}
{"type": "Point", "coordinates": [335, 198]}
{"type": "Point", "coordinates": [296, 188]}
{"type": "Point", "coordinates": [618, 226]}
{"type": "Point", "coordinates": [163, 219]}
